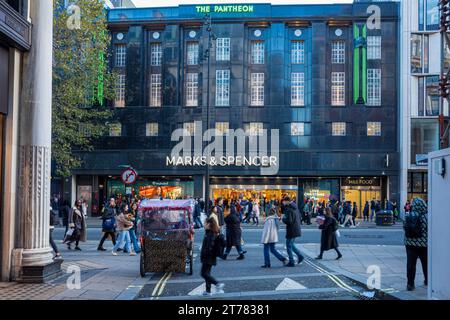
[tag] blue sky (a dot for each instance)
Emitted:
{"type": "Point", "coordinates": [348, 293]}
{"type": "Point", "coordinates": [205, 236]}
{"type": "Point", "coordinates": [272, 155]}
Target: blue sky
{"type": "Point", "coordinates": [170, 3]}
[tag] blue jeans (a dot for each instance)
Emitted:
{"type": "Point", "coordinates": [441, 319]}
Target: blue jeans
{"type": "Point", "coordinates": [290, 246]}
{"type": "Point", "coordinates": [123, 236]}
{"type": "Point", "coordinates": [238, 248]}
{"type": "Point", "coordinates": [372, 214]}
{"type": "Point", "coordinates": [134, 241]}
{"type": "Point", "coordinates": [198, 222]}
{"type": "Point", "coordinates": [274, 251]}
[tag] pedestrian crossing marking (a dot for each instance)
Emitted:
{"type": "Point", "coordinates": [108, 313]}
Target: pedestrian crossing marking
{"type": "Point", "coordinates": [289, 284]}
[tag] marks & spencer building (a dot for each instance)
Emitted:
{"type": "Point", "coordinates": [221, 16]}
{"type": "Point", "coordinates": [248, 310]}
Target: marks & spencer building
{"type": "Point", "coordinates": [325, 76]}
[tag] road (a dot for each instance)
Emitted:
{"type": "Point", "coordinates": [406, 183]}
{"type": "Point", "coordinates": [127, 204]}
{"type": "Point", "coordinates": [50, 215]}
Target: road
{"type": "Point", "coordinates": [245, 280]}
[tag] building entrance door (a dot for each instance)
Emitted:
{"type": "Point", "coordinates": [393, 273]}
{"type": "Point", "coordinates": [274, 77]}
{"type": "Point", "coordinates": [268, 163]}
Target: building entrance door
{"type": "Point", "coordinates": [360, 197]}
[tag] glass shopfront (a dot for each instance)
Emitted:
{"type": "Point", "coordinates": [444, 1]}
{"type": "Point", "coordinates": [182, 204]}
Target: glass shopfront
{"type": "Point", "coordinates": [360, 191]}
{"type": "Point", "coordinates": [320, 190]}
{"type": "Point", "coordinates": [151, 188]}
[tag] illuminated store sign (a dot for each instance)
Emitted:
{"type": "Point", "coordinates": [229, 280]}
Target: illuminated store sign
{"type": "Point", "coordinates": [224, 9]}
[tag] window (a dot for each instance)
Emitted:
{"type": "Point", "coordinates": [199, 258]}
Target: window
{"type": "Point", "coordinates": [156, 54]}
{"type": "Point", "coordinates": [298, 52]}
{"type": "Point", "coordinates": [155, 90]}
{"type": "Point", "coordinates": [151, 129]}
{"type": "Point", "coordinates": [223, 49]}
{"type": "Point", "coordinates": [120, 55]}
{"type": "Point", "coordinates": [257, 52]}
{"type": "Point", "coordinates": [429, 15]}
{"type": "Point", "coordinates": [419, 53]}
{"type": "Point", "coordinates": [120, 91]}
{"type": "Point", "coordinates": [338, 88]}
{"type": "Point", "coordinates": [189, 127]}
{"type": "Point", "coordinates": [424, 138]}
{"type": "Point", "coordinates": [297, 89]}
{"type": "Point", "coordinates": [254, 128]}
{"type": "Point", "coordinates": [339, 129]}
{"type": "Point", "coordinates": [374, 129]}
{"type": "Point", "coordinates": [338, 52]}
{"type": "Point", "coordinates": [222, 128]}
{"type": "Point", "coordinates": [374, 87]}
{"type": "Point", "coordinates": [257, 89]}
{"type": "Point", "coordinates": [222, 88]}
{"type": "Point", "coordinates": [192, 89]}
{"type": "Point", "coordinates": [373, 47]}
{"type": "Point", "coordinates": [192, 53]}
{"type": "Point", "coordinates": [429, 98]}
{"type": "Point", "coordinates": [115, 129]}
{"type": "Point", "coordinates": [298, 129]}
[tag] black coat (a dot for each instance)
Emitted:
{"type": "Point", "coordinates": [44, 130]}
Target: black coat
{"type": "Point", "coordinates": [233, 232]}
{"type": "Point", "coordinates": [292, 220]}
{"type": "Point", "coordinates": [109, 213]}
{"type": "Point", "coordinates": [220, 216]}
{"type": "Point", "coordinates": [328, 240]}
{"type": "Point", "coordinates": [208, 252]}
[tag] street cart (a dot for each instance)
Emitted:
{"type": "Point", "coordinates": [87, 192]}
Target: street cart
{"type": "Point", "coordinates": [166, 233]}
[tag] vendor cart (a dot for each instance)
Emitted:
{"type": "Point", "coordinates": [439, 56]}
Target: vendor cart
{"type": "Point", "coordinates": [166, 233]}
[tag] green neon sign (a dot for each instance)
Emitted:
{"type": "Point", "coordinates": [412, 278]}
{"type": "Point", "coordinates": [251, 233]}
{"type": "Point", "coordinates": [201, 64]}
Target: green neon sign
{"type": "Point", "coordinates": [225, 9]}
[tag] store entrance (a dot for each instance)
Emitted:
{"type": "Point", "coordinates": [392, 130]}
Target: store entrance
{"type": "Point", "coordinates": [360, 197]}
{"type": "Point", "coordinates": [264, 195]}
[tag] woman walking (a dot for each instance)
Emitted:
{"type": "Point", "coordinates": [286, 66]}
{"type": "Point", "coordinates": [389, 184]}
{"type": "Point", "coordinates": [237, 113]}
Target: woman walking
{"type": "Point", "coordinates": [108, 224]}
{"type": "Point", "coordinates": [270, 238]}
{"type": "Point", "coordinates": [123, 226]}
{"type": "Point", "coordinates": [329, 240]}
{"type": "Point", "coordinates": [208, 256]}
{"type": "Point", "coordinates": [233, 233]}
{"type": "Point", "coordinates": [78, 224]}
{"type": "Point", "coordinates": [133, 217]}
{"type": "Point", "coordinates": [256, 213]}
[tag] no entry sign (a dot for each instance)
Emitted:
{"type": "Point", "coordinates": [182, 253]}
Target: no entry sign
{"type": "Point", "coordinates": [129, 176]}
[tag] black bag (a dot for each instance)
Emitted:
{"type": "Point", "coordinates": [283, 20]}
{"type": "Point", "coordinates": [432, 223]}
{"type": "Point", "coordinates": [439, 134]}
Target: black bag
{"type": "Point", "coordinates": [219, 245]}
{"type": "Point", "coordinates": [413, 226]}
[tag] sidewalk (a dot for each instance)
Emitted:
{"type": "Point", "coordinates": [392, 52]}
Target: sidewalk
{"type": "Point", "coordinates": [103, 277]}
{"type": "Point", "coordinates": [357, 258]}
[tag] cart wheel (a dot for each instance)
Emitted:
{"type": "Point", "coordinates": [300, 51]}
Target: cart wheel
{"type": "Point", "coordinates": [191, 262]}
{"type": "Point", "coordinates": [142, 265]}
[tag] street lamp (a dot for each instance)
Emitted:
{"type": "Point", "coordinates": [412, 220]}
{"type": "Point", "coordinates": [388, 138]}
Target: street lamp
{"type": "Point", "coordinates": [207, 55]}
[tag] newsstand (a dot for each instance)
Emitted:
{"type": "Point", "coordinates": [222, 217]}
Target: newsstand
{"type": "Point", "coordinates": [385, 218]}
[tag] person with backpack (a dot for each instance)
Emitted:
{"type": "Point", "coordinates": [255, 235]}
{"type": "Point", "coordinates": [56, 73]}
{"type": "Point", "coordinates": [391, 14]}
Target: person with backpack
{"type": "Point", "coordinates": [270, 238]}
{"type": "Point", "coordinates": [416, 241]}
{"type": "Point", "coordinates": [211, 247]}
{"type": "Point", "coordinates": [233, 233]}
{"type": "Point", "coordinates": [329, 226]}
{"type": "Point", "coordinates": [108, 224]}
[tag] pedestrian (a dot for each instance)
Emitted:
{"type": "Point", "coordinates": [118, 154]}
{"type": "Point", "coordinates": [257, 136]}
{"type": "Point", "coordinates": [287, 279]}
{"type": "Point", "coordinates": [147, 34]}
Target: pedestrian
{"type": "Point", "coordinates": [348, 215]}
{"type": "Point", "coordinates": [208, 255]}
{"type": "Point", "coordinates": [197, 214]}
{"type": "Point", "coordinates": [366, 211]}
{"type": "Point", "coordinates": [214, 214]}
{"type": "Point", "coordinates": [233, 234]}
{"type": "Point", "coordinates": [373, 209]}
{"type": "Point", "coordinates": [328, 241]}
{"type": "Point", "coordinates": [416, 241]}
{"type": "Point", "coordinates": [108, 224]}
{"type": "Point", "coordinates": [407, 206]}
{"type": "Point", "coordinates": [354, 213]}
{"type": "Point", "coordinates": [270, 238]}
{"type": "Point", "coordinates": [84, 207]}
{"type": "Point", "coordinates": [291, 218]}
{"type": "Point", "coordinates": [220, 213]}
{"type": "Point", "coordinates": [249, 211]}
{"type": "Point", "coordinates": [52, 228]}
{"type": "Point", "coordinates": [77, 224]}
{"type": "Point", "coordinates": [65, 212]}
{"type": "Point", "coordinates": [123, 226]}
{"type": "Point", "coordinates": [255, 213]}
{"type": "Point", "coordinates": [133, 217]}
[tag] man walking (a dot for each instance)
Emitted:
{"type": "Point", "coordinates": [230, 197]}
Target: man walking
{"type": "Point", "coordinates": [293, 230]}
{"type": "Point", "coordinates": [373, 209]}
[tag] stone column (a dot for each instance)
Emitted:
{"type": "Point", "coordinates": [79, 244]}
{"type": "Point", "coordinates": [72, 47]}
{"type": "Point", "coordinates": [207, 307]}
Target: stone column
{"type": "Point", "coordinates": [35, 149]}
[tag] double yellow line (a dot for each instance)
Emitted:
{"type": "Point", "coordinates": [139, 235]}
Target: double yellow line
{"type": "Point", "coordinates": [159, 288]}
{"type": "Point", "coordinates": [334, 278]}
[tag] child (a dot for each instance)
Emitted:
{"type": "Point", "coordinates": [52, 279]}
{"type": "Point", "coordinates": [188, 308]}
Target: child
{"type": "Point", "coordinates": [208, 255]}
